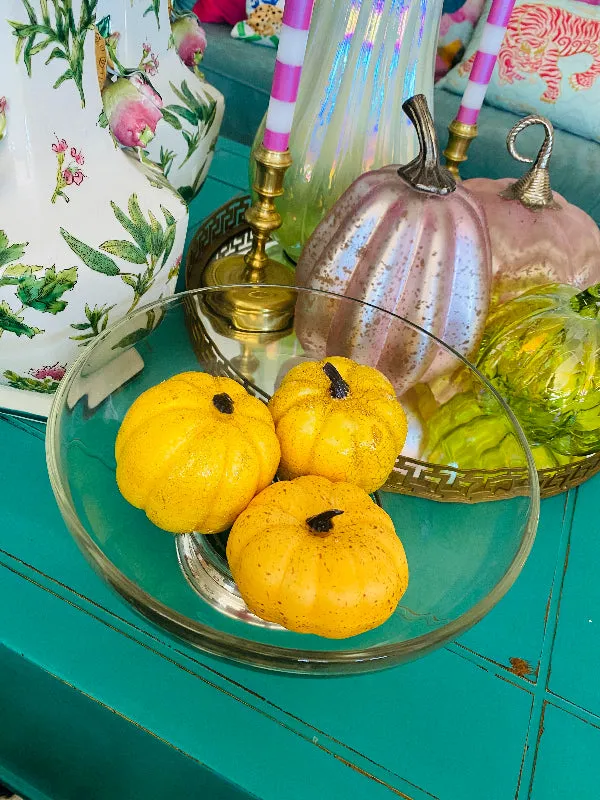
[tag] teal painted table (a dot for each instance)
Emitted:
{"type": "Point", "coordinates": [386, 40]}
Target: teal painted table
{"type": "Point", "coordinates": [95, 703]}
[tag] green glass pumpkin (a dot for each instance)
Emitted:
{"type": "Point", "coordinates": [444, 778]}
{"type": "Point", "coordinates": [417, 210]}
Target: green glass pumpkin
{"type": "Point", "coordinates": [462, 433]}
{"type": "Point", "coordinates": [541, 351]}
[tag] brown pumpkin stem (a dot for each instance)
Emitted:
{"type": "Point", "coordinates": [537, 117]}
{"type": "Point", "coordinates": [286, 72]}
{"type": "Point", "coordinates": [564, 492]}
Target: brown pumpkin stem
{"type": "Point", "coordinates": [339, 389]}
{"type": "Point", "coordinates": [322, 523]}
{"type": "Point", "coordinates": [223, 403]}
{"type": "Point", "coordinates": [425, 173]}
{"type": "Point", "coordinates": [587, 303]}
{"type": "Point", "coordinates": [533, 189]}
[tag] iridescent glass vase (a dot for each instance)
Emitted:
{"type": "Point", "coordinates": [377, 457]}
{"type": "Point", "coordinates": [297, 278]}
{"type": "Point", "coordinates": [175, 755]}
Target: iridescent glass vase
{"type": "Point", "coordinates": [364, 59]}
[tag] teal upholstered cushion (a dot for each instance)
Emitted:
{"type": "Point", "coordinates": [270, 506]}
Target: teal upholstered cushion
{"type": "Point", "coordinates": [243, 74]}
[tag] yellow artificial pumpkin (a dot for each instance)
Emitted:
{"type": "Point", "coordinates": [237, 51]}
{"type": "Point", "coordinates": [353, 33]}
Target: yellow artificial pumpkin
{"type": "Point", "coordinates": [338, 419]}
{"type": "Point", "coordinates": [193, 451]}
{"type": "Point", "coordinates": [318, 557]}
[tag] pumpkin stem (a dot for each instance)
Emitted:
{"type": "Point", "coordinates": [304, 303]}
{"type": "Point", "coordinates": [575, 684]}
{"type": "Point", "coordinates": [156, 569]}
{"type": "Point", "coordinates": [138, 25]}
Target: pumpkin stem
{"type": "Point", "coordinates": [322, 523]}
{"type": "Point", "coordinates": [223, 403]}
{"type": "Point", "coordinates": [425, 173]}
{"type": "Point", "coordinates": [339, 389]}
{"type": "Point", "coordinates": [533, 189]}
{"type": "Point", "coordinates": [587, 302]}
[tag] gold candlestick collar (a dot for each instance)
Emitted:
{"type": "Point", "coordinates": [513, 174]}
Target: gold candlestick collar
{"type": "Point", "coordinates": [459, 141]}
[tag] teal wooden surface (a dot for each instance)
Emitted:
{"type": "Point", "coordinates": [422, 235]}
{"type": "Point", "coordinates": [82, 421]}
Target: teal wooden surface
{"type": "Point", "coordinates": [31, 746]}
{"type": "Point", "coordinates": [567, 764]}
{"type": "Point", "coordinates": [577, 646]}
{"type": "Point", "coordinates": [510, 710]}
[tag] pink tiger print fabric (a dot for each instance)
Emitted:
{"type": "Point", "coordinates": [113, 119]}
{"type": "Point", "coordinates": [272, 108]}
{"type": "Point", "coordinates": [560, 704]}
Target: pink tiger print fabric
{"type": "Point", "coordinates": [536, 38]}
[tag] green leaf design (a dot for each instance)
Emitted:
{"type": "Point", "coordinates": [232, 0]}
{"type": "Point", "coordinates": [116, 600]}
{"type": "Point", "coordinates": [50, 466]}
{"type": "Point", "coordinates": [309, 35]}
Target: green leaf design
{"type": "Point", "coordinates": [103, 119]}
{"type": "Point", "coordinates": [90, 257]}
{"type": "Point", "coordinates": [194, 102]}
{"type": "Point", "coordinates": [16, 270]}
{"type": "Point", "coordinates": [30, 11]}
{"type": "Point", "coordinates": [154, 7]}
{"type": "Point", "coordinates": [8, 281]}
{"type": "Point", "coordinates": [40, 46]}
{"type": "Point", "coordinates": [188, 115]}
{"type": "Point", "coordinates": [12, 253]}
{"type": "Point", "coordinates": [157, 241]}
{"type": "Point", "coordinates": [56, 53]}
{"type": "Point", "coordinates": [170, 118]}
{"type": "Point", "coordinates": [43, 293]}
{"type": "Point", "coordinates": [125, 250]}
{"type": "Point", "coordinates": [187, 97]}
{"type": "Point", "coordinates": [129, 280]}
{"type": "Point", "coordinates": [67, 75]}
{"type": "Point", "coordinates": [96, 322]}
{"type": "Point", "coordinates": [103, 26]}
{"type": "Point", "coordinates": [14, 323]}
{"type": "Point", "coordinates": [193, 140]}
{"type": "Point", "coordinates": [138, 219]}
{"type": "Point", "coordinates": [169, 242]}
{"type": "Point", "coordinates": [65, 34]}
{"type": "Point", "coordinates": [170, 219]}
{"type": "Point", "coordinates": [3, 241]}
{"type": "Point", "coordinates": [44, 10]}
{"type": "Point", "coordinates": [187, 192]}
{"type": "Point", "coordinates": [16, 381]}
{"type": "Point", "coordinates": [132, 229]}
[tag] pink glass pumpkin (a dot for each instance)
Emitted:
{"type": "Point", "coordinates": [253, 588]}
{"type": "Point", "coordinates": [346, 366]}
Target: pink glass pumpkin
{"type": "Point", "coordinates": [537, 236]}
{"type": "Point", "coordinates": [409, 240]}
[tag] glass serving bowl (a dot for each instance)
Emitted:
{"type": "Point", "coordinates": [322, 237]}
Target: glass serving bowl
{"type": "Point", "coordinates": [463, 555]}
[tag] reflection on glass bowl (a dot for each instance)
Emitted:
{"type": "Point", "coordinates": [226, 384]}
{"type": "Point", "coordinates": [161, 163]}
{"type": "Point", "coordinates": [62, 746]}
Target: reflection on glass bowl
{"type": "Point", "coordinates": [467, 528]}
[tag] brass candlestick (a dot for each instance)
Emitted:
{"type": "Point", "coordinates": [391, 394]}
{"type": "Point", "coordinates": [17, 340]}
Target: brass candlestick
{"type": "Point", "coordinates": [265, 310]}
{"type": "Point", "coordinates": [459, 140]}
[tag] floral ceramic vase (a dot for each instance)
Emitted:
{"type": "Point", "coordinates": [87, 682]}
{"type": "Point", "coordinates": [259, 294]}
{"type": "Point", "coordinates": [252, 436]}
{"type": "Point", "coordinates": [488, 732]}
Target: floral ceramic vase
{"type": "Point", "coordinates": [86, 233]}
{"type": "Point", "coordinates": [364, 59]}
{"type": "Point", "coordinates": [153, 102]}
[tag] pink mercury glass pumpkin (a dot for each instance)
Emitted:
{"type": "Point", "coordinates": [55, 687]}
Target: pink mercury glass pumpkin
{"type": "Point", "coordinates": [537, 236]}
{"type": "Point", "coordinates": [411, 241]}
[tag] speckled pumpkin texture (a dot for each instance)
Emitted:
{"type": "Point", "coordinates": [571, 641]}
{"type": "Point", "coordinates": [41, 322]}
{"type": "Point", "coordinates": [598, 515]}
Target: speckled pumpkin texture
{"type": "Point", "coordinates": [335, 584]}
{"type": "Point", "coordinates": [189, 465]}
{"type": "Point", "coordinates": [356, 438]}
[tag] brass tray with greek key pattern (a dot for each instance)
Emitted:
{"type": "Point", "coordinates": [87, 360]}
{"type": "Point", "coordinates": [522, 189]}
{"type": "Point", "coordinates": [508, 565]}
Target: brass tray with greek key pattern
{"type": "Point", "coordinates": [226, 232]}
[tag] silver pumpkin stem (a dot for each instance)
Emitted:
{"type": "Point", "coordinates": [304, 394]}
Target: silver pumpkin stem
{"type": "Point", "coordinates": [425, 173]}
{"type": "Point", "coordinates": [533, 189]}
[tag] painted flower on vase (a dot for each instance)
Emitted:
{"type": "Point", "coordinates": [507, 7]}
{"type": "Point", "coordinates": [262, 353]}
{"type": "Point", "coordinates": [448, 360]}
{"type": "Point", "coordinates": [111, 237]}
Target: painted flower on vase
{"type": "Point", "coordinates": [190, 40]}
{"type": "Point", "coordinates": [55, 372]}
{"type": "Point", "coordinates": [43, 380]}
{"type": "Point", "coordinates": [2, 117]}
{"type": "Point", "coordinates": [149, 61]}
{"type": "Point", "coordinates": [68, 171]}
{"type": "Point", "coordinates": [133, 110]}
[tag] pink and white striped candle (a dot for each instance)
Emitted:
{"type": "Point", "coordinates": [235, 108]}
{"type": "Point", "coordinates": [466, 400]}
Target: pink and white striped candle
{"type": "Point", "coordinates": [485, 61]}
{"type": "Point", "coordinates": [288, 68]}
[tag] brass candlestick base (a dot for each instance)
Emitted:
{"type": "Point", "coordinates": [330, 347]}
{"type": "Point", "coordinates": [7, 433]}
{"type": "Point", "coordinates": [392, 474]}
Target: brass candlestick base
{"type": "Point", "coordinates": [264, 310]}
{"type": "Point", "coordinates": [459, 140]}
